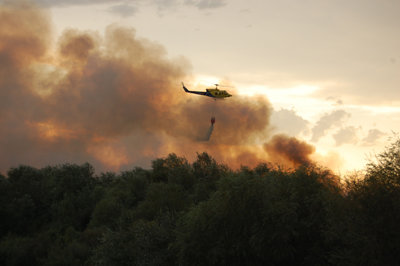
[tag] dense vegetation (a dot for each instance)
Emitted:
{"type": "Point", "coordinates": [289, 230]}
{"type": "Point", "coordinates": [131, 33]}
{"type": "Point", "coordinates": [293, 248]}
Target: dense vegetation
{"type": "Point", "coordinates": [202, 213]}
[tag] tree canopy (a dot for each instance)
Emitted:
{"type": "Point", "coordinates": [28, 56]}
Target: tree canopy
{"type": "Point", "coordinates": [201, 213]}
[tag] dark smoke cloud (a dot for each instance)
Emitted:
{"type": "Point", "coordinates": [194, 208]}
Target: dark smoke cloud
{"type": "Point", "coordinates": [114, 101]}
{"type": "Point", "coordinates": [283, 148]}
{"type": "Point", "coordinates": [111, 101]}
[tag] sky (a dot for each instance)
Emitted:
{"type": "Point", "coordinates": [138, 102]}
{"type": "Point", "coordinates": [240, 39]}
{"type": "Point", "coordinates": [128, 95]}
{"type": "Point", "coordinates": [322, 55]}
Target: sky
{"type": "Point", "coordinates": [325, 73]}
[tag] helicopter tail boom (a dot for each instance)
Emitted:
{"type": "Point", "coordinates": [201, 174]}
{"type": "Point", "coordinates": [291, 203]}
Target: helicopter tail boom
{"type": "Point", "coordinates": [183, 85]}
{"type": "Point", "coordinates": [195, 92]}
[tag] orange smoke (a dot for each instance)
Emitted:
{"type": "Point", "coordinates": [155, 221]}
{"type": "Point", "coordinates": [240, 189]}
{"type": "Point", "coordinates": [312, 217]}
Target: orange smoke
{"type": "Point", "coordinates": [51, 132]}
{"type": "Point", "coordinates": [112, 157]}
{"type": "Point", "coordinates": [114, 101]}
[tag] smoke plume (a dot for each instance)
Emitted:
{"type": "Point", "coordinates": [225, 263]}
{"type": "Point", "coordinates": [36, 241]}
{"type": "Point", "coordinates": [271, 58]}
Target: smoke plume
{"type": "Point", "coordinates": [111, 100]}
{"type": "Point", "coordinates": [282, 148]}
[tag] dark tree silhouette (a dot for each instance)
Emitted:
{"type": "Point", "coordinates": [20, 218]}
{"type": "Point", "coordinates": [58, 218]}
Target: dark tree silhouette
{"type": "Point", "coordinates": [201, 213]}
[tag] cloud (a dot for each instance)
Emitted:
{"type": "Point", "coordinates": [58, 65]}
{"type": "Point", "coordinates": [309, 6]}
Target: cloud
{"type": "Point", "coordinates": [123, 10]}
{"type": "Point", "coordinates": [53, 3]}
{"type": "Point", "coordinates": [373, 136]}
{"type": "Point", "coordinates": [336, 101]}
{"type": "Point", "coordinates": [131, 5]}
{"type": "Point", "coordinates": [346, 135]}
{"type": "Point", "coordinates": [328, 121]}
{"type": "Point", "coordinates": [352, 46]}
{"type": "Point", "coordinates": [206, 4]}
{"type": "Point", "coordinates": [287, 121]}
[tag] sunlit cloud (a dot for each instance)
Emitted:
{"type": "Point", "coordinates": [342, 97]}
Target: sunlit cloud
{"type": "Point", "coordinates": [328, 121]}
{"type": "Point", "coordinates": [123, 10]}
{"type": "Point", "coordinates": [200, 4]}
{"type": "Point", "coordinates": [203, 80]}
{"type": "Point", "coordinates": [296, 91]}
{"type": "Point", "coordinates": [289, 122]}
{"type": "Point", "coordinates": [373, 136]}
{"type": "Point", "coordinates": [346, 135]}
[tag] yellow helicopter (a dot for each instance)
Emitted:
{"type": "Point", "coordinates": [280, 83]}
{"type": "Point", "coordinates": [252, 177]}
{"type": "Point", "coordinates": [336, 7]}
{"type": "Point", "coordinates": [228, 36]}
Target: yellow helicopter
{"type": "Point", "coordinates": [213, 93]}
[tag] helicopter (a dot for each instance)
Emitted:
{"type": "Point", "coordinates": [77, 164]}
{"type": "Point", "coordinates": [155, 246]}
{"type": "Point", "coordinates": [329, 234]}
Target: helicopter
{"type": "Point", "coordinates": [210, 92]}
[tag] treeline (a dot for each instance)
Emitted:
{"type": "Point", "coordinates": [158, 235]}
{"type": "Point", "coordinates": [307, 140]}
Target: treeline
{"type": "Point", "coordinates": [201, 213]}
